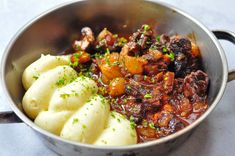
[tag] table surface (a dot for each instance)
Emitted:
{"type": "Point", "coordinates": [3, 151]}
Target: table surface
{"type": "Point", "coordinates": [214, 137]}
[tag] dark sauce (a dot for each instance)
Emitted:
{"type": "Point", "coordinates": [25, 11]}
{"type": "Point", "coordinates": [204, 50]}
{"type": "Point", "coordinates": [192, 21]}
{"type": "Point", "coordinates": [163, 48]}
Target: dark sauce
{"type": "Point", "coordinates": [168, 94]}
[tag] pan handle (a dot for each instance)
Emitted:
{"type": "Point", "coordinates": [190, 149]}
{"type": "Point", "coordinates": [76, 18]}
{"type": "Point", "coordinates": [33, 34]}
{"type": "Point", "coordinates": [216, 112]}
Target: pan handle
{"type": "Point", "coordinates": [228, 36]}
{"type": "Point", "coordinates": [9, 117]}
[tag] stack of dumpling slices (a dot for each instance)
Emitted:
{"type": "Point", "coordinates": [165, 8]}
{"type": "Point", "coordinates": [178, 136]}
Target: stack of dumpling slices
{"type": "Point", "coordinates": [67, 105]}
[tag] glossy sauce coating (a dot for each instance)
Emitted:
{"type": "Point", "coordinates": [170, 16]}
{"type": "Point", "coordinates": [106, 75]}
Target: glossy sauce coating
{"type": "Point", "coordinates": [156, 81]}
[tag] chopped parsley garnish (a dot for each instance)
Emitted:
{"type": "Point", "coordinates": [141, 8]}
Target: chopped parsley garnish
{"type": "Point", "coordinates": [158, 38]}
{"type": "Point", "coordinates": [147, 96]}
{"type": "Point", "coordinates": [78, 47]}
{"type": "Point", "coordinates": [107, 51]}
{"type": "Point", "coordinates": [104, 141]}
{"type": "Point", "coordinates": [75, 120]}
{"type": "Point", "coordinates": [84, 126]}
{"type": "Point", "coordinates": [128, 87]}
{"type": "Point", "coordinates": [145, 123]}
{"type": "Point", "coordinates": [107, 61]}
{"type": "Point", "coordinates": [57, 58]}
{"type": "Point", "coordinates": [116, 63]}
{"type": "Point", "coordinates": [115, 35]}
{"type": "Point", "coordinates": [119, 120]}
{"type": "Point", "coordinates": [171, 56]}
{"type": "Point", "coordinates": [35, 77]}
{"type": "Point", "coordinates": [112, 114]}
{"type": "Point", "coordinates": [121, 41]}
{"type": "Point", "coordinates": [77, 55]}
{"type": "Point", "coordinates": [164, 50]}
{"type": "Point", "coordinates": [98, 55]}
{"type": "Point", "coordinates": [146, 27]}
{"type": "Point", "coordinates": [151, 125]}
{"type": "Point", "coordinates": [132, 122]}
{"type": "Point", "coordinates": [60, 82]}
{"type": "Point", "coordinates": [64, 96]}
{"type": "Point", "coordinates": [99, 80]}
{"type": "Point", "coordinates": [74, 64]}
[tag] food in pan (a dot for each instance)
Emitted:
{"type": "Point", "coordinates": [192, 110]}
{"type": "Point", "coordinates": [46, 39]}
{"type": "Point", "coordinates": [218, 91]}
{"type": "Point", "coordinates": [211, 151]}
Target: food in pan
{"type": "Point", "coordinates": [113, 90]}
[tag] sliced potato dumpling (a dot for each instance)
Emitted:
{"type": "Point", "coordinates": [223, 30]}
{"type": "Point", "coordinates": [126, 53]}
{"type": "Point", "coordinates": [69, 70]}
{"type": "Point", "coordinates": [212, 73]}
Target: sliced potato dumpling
{"type": "Point", "coordinates": [52, 121]}
{"type": "Point", "coordinates": [88, 122]}
{"type": "Point", "coordinates": [118, 132]}
{"type": "Point", "coordinates": [39, 94]}
{"type": "Point", "coordinates": [68, 106]}
{"type": "Point", "coordinates": [74, 95]}
{"type": "Point", "coordinates": [45, 63]}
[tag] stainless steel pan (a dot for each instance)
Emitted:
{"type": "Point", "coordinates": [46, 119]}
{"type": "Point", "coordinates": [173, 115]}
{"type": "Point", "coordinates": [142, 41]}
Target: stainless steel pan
{"type": "Point", "coordinates": [53, 31]}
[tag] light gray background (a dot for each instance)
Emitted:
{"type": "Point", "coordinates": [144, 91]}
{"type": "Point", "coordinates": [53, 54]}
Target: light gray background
{"type": "Point", "coordinates": [215, 136]}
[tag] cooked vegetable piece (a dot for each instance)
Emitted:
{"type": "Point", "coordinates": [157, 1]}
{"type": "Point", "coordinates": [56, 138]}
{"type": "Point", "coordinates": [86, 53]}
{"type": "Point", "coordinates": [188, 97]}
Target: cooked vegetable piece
{"type": "Point", "coordinates": [80, 57]}
{"type": "Point", "coordinates": [117, 87]}
{"type": "Point", "coordinates": [109, 66]}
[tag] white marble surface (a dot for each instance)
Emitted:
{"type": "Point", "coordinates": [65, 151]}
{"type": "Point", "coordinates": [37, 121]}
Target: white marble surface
{"type": "Point", "coordinates": [215, 136]}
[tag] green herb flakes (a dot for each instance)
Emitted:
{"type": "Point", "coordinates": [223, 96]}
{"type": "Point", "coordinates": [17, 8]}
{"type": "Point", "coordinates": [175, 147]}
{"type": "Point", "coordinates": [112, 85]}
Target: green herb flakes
{"type": "Point", "coordinates": [112, 114]}
{"type": "Point", "coordinates": [64, 96]}
{"type": "Point", "coordinates": [35, 77]}
{"type": "Point", "coordinates": [107, 61]}
{"type": "Point", "coordinates": [151, 125]}
{"type": "Point", "coordinates": [158, 38]}
{"type": "Point", "coordinates": [145, 123]}
{"type": "Point", "coordinates": [171, 56]}
{"type": "Point", "coordinates": [74, 64]}
{"type": "Point", "coordinates": [107, 51]}
{"type": "Point", "coordinates": [84, 126]}
{"type": "Point", "coordinates": [146, 27]}
{"type": "Point", "coordinates": [78, 47]}
{"type": "Point", "coordinates": [104, 141]}
{"type": "Point", "coordinates": [128, 87]}
{"type": "Point", "coordinates": [164, 50]}
{"type": "Point", "coordinates": [116, 63]}
{"type": "Point", "coordinates": [147, 96]}
{"type": "Point", "coordinates": [60, 82]}
{"type": "Point", "coordinates": [132, 122]}
{"type": "Point", "coordinates": [75, 120]}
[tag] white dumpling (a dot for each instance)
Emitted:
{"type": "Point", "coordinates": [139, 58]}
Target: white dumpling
{"type": "Point", "coordinates": [88, 122]}
{"type": "Point", "coordinates": [37, 97]}
{"type": "Point", "coordinates": [118, 132]}
{"type": "Point", "coordinates": [74, 95]}
{"type": "Point", "coordinates": [43, 64]}
{"type": "Point", "coordinates": [68, 106]}
{"type": "Point", "coordinates": [52, 121]}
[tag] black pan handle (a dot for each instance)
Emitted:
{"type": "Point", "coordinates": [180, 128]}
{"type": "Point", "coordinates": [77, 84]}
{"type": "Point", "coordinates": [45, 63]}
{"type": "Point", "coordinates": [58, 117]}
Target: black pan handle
{"type": "Point", "coordinates": [228, 36]}
{"type": "Point", "coordinates": [9, 117]}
